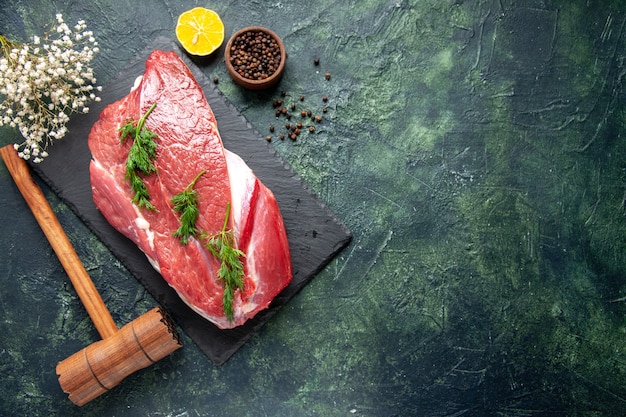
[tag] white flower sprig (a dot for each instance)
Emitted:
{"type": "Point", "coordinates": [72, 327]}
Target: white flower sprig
{"type": "Point", "coordinates": [42, 83]}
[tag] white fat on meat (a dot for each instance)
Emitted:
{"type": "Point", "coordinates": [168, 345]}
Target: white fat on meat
{"type": "Point", "coordinates": [242, 181]}
{"type": "Point", "coordinates": [137, 83]}
{"type": "Point", "coordinates": [240, 177]}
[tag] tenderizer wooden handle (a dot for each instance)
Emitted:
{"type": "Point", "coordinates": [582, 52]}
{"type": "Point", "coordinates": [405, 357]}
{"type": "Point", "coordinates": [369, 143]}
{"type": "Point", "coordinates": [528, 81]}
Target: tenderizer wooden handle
{"type": "Point", "coordinates": [59, 241]}
{"type": "Point", "coordinates": [102, 365]}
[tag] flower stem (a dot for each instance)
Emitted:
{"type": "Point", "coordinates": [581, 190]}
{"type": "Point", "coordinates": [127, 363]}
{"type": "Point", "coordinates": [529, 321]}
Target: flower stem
{"type": "Point", "coordinates": [7, 47]}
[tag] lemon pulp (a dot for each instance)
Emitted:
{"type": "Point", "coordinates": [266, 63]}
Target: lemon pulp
{"type": "Point", "coordinates": [200, 31]}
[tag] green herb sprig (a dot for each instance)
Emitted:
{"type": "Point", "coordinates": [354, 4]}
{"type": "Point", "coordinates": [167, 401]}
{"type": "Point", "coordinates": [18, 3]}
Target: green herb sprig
{"type": "Point", "coordinates": [186, 203]}
{"type": "Point", "coordinates": [140, 159]}
{"type": "Point", "coordinates": [222, 246]}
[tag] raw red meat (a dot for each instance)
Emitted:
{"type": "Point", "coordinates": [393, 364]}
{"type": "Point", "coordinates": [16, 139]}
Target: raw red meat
{"type": "Point", "coordinates": [188, 142]}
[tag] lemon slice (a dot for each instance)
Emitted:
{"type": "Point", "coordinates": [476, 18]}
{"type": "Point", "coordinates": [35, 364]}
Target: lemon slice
{"type": "Point", "coordinates": [200, 31]}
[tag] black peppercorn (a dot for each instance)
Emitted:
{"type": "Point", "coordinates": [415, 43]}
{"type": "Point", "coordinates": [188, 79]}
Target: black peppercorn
{"type": "Point", "coordinates": [316, 61]}
{"type": "Point", "coordinates": [327, 75]}
{"type": "Point", "coordinates": [255, 55]}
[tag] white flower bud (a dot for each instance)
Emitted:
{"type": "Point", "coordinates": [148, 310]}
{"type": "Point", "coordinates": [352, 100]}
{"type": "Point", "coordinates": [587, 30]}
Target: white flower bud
{"type": "Point", "coordinates": [43, 83]}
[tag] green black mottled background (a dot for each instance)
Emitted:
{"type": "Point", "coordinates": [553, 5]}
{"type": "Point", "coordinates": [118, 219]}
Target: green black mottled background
{"type": "Point", "coordinates": [474, 149]}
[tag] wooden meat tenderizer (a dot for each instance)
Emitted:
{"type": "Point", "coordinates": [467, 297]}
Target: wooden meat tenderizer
{"type": "Point", "coordinates": [102, 365]}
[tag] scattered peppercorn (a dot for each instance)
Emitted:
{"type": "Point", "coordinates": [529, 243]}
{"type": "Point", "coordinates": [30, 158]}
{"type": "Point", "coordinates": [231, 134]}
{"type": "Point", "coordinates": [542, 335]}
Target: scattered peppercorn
{"type": "Point", "coordinates": [268, 138]}
{"type": "Point", "coordinates": [316, 61]}
{"type": "Point", "coordinates": [293, 130]}
{"type": "Point", "coordinates": [216, 80]}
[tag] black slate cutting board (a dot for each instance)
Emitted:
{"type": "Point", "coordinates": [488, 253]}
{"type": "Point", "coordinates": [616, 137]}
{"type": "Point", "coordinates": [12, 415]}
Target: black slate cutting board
{"type": "Point", "coordinates": [315, 234]}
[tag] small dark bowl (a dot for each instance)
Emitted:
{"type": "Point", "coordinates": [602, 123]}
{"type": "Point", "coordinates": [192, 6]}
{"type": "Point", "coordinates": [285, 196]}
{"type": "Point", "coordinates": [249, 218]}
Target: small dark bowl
{"type": "Point", "coordinates": [252, 83]}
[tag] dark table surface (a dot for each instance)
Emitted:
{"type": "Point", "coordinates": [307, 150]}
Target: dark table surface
{"type": "Point", "coordinates": [474, 149]}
